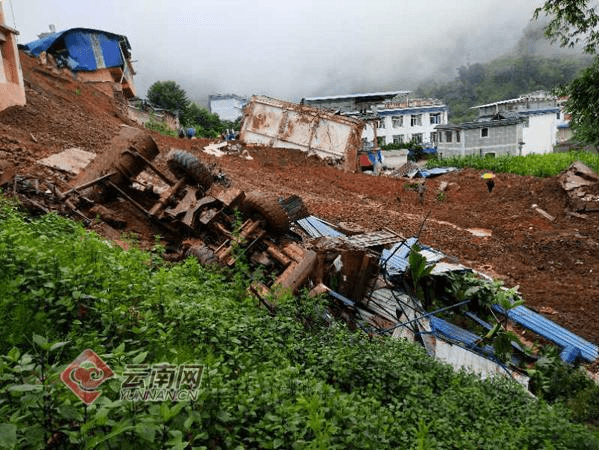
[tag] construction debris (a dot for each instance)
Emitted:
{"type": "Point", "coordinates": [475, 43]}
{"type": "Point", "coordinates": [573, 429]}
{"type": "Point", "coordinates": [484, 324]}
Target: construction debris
{"type": "Point", "coordinates": [71, 160]}
{"type": "Point", "coordinates": [368, 276]}
{"type": "Point", "coordinates": [582, 186]}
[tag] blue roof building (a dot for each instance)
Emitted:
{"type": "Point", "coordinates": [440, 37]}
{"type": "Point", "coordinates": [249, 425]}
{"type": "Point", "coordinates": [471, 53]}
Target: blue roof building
{"type": "Point", "coordinates": [94, 55]}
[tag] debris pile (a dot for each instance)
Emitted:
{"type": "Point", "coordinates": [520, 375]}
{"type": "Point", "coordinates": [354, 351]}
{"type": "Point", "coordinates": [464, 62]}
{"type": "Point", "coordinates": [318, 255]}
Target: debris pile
{"type": "Point", "coordinates": [582, 187]}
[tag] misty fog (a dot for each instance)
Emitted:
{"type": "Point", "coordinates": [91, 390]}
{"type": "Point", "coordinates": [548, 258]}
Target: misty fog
{"type": "Point", "coordinates": [290, 50]}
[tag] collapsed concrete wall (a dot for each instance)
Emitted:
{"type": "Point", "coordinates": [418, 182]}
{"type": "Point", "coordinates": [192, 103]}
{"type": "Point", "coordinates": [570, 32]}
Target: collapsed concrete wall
{"type": "Point", "coordinates": [277, 123]}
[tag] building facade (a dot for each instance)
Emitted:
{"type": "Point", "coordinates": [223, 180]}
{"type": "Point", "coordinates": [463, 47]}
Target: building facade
{"type": "Point", "coordinates": [12, 87]}
{"type": "Point", "coordinates": [227, 106]}
{"type": "Point", "coordinates": [482, 138]}
{"type": "Point", "coordinates": [411, 120]}
{"type": "Point", "coordinates": [544, 118]}
{"type": "Point", "coordinates": [391, 117]}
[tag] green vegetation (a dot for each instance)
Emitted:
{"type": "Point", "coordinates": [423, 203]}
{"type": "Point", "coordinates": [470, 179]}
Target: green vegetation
{"type": "Point", "coordinates": [576, 23]}
{"type": "Point", "coordinates": [160, 127]}
{"type": "Point", "coordinates": [546, 165]}
{"type": "Point", "coordinates": [531, 66]}
{"type": "Point", "coordinates": [501, 79]}
{"type": "Point", "coordinates": [284, 379]}
{"type": "Point", "coordinates": [170, 96]}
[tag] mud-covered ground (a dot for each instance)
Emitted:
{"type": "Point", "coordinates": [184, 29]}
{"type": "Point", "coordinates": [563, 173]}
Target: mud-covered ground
{"type": "Point", "coordinates": [554, 263]}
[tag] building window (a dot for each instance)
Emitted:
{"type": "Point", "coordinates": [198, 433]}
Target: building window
{"type": "Point", "coordinates": [433, 138]}
{"type": "Point", "coordinates": [448, 135]}
{"type": "Point", "coordinates": [380, 123]}
{"type": "Point", "coordinates": [397, 121]}
{"type": "Point", "coordinates": [398, 139]}
{"type": "Point", "coordinates": [435, 118]}
{"type": "Point", "coordinates": [417, 138]}
{"type": "Point", "coordinates": [457, 136]}
{"type": "Point", "coordinates": [416, 120]}
{"type": "Point", "coordinates": [440, 136]}
{"type": "Point", "coordinates": [484, 132]}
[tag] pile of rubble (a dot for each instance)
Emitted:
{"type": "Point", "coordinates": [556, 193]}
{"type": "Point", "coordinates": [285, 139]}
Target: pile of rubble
{"type": "Point", "coordinates": [365, 275]}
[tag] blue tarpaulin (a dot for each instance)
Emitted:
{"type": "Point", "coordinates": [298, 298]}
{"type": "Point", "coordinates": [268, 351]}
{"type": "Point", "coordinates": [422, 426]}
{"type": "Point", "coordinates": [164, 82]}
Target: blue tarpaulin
{"type": "Point", "coordinates": [82, 49]}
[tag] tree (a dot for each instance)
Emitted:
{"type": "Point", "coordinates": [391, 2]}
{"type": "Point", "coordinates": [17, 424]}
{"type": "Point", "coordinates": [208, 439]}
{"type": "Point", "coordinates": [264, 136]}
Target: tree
{"type": "Point", "coordinates": [168, 95]}
{"type": "Point", "coordinates": [573, 22]}
{"type": "Point", "coordinates": [583, 103]}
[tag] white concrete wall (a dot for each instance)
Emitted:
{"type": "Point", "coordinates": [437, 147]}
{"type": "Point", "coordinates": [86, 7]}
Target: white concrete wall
{"type": "Point", "coordinates": [406, 130]}
{"type": "Point", "coordinates": [541, 134]}
{"type": "Point", "coordinates": [227, 108]}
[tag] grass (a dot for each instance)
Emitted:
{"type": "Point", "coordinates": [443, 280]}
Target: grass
{"type": "Point", "coordinates": [546, 165]}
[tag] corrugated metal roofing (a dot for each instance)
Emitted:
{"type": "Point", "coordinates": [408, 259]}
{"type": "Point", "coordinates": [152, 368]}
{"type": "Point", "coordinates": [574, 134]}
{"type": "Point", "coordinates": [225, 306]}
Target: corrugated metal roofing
{"type": "Point", "coordinates": [455, 333]}
{"type": "Point", "coordinates": [552, 331]}
{"type": "Point", "coordinates": [373, 239]}
{"type": "Point", "coordinates": [521, 99]}
{"type": "Point", "coordinates": [316, 227]}
{"type": "Point", "coordinates": [395, 260]}
{"type": "Point", "coordinates": [369, 94]}
{"type": "Point", "coordinates": [87, 49]}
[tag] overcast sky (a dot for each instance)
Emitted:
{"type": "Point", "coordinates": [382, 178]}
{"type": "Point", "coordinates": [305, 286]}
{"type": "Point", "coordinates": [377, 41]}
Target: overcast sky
{"type": "Point", "coordinates": [289, 49]}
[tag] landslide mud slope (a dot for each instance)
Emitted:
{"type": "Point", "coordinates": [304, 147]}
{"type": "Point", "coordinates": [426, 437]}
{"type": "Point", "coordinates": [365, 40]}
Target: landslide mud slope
{"type": "Point", "coordinates": [555, 264]}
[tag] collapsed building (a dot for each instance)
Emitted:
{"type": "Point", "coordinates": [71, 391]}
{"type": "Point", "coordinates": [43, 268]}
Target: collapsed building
{"type": "Point", "coordinates": [93, 56]}
{"type": "Point", "coordinates": [367, 277]}
{"type": "Point", "coordinates": [277, 123]}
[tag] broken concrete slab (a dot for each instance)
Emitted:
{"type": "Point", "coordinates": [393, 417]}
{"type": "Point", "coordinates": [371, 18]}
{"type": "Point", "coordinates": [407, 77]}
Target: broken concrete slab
{"type": "Point", "coordinates": [216, 149]}
{"type": "Point", "coordinates": [581, 184]}
{"type": "Point", "coordinates": [72, 160]}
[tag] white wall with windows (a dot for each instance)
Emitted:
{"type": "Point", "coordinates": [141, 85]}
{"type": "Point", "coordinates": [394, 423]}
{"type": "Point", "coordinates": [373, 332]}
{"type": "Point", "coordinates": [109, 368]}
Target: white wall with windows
{"type": "Point", "coordinates": [396, 126]}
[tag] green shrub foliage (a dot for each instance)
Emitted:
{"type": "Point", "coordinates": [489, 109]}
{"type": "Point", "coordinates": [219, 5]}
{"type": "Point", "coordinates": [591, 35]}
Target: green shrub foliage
{"type": "Point", "coordinates": [282, 380]}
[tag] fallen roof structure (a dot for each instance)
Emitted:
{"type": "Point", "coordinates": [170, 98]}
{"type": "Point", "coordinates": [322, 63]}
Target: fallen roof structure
{"type": "Point", "coordinates": [85, 50]}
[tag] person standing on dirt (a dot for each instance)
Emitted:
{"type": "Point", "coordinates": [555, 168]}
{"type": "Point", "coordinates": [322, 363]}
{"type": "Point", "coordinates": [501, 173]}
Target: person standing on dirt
{"type": "Point", "coordinates": [421, 191]}
{"type": "Point", "coordinates": [490, 184]}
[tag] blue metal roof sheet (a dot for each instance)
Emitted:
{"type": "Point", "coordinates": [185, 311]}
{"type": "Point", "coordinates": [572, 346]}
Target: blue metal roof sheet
{"type": "Point", "coordinates": [395, 260]}
{"type": "Point", "coordinates": [316, 227]}
{"type": "Point", "coordinates": [455, 333]}
{"type": "Point", "coordinates": [552, 331]}
{"type": "Point", "coordinates": [87, 49]}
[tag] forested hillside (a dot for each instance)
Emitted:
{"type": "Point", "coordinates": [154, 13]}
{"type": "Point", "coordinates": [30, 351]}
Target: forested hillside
{"type": "Point", "coordinates": [532, 65]}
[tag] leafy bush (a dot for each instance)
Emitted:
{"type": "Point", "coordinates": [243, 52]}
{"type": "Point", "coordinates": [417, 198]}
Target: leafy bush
{"type": "Point", "coordinates": [280, 380]}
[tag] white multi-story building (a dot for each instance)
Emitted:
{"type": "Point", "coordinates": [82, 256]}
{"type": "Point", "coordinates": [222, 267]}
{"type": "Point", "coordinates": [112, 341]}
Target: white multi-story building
{"type": "Point", "coordinates": [407, 120]}
{"type": "Point", "coordinates": [544, 117]}
{"type": "Point", "coordinates": [391, 116]}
